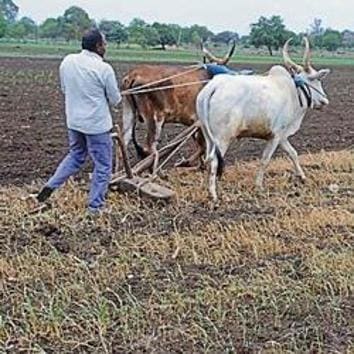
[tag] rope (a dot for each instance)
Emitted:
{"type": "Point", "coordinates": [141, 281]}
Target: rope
{"type": "Point", "coordinates": [138, 88]}
{"type": "Point", "coordinates": [315, 89]}
{"type": "Point", "coordinates": [137, 92]}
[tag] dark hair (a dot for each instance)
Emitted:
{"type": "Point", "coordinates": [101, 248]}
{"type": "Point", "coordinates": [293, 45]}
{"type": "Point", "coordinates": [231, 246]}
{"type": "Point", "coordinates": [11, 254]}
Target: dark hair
{"type": "Point", "coordinates": [91, 38]}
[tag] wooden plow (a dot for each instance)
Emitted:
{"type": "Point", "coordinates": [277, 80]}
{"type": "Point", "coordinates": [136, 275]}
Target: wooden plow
{"type": "Point", "coordinates": [129, 179]}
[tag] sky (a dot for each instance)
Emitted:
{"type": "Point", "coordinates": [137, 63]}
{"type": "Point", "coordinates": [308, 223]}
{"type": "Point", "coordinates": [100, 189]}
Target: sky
{"type": "Point", "coordinates": [217, 15]}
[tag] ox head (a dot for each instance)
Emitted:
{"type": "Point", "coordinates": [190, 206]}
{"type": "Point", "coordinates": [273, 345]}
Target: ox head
{"type": "Point", "coordinates": [220, 61]}
{"type": "Point", "coordinates": [308, 74]}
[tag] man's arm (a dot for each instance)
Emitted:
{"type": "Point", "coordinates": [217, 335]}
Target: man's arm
{"type": "Point", "coordinates": [112, 91]}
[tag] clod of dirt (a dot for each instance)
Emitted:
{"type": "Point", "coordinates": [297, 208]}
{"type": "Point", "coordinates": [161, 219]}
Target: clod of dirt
{"type": "Point", "coordinates": [333, 188]}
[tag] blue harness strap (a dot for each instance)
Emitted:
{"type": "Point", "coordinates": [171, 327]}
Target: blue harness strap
{"type": "Point", "coordinates": [216, 69]}
{"type": "Point", "coordinates": [299, 81]}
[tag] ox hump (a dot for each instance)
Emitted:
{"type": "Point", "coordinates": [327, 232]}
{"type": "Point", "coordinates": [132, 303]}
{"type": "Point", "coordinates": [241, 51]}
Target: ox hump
{"type": "Point", "coordinates": [278, 70]}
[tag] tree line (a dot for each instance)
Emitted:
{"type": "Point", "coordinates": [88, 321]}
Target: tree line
{"type": "Point", "coordinates": [268, 32]}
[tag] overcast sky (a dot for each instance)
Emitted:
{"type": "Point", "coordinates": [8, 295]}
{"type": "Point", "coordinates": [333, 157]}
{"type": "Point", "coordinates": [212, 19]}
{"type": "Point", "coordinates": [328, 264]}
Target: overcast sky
{"type": "Point", "coordinates": [218, 15]}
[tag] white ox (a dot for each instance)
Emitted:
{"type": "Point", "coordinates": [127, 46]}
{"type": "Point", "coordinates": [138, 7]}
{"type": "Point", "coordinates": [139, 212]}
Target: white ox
{"type": "Point", "coordinates": [268, 107]}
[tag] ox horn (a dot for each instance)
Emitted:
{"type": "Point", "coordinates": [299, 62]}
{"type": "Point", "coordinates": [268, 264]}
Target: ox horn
{"type": "Point", "coordinates": [287, 60]}
{"type": "Point", "coordinates": [221, 61]}
{"type": "Point", "coordinates": [307, 58]}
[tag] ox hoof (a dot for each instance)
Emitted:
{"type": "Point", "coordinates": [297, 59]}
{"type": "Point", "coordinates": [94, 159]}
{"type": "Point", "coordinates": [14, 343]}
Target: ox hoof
{"type": "Point", "coordinates": [302, 179]}
{"type": "Point", "coordinates": [299, 179]}
{"type": "Point", "coordinates": [213, 204]}
{"type": "Point", "coordinates": [259, 182]}
{"type": "Point", "coordinates": [259, 187]}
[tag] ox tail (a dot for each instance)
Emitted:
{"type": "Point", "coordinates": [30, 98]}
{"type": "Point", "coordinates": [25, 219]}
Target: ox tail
{"type": "Point", "coordinates": [130, 117]}
{"type": "Point", "coordinates": [221, 162]}
{"type": "Point", "coordinates": [203, 110]}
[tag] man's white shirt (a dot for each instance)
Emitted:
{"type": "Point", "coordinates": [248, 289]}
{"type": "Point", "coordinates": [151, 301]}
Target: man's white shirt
{"type": "Point", "coordinates": [90, 86]}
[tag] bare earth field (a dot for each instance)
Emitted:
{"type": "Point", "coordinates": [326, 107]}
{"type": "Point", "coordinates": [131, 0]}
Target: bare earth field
{"type": "Point", "coordinates": [269, 271]}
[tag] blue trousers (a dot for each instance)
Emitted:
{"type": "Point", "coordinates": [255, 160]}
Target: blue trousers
{"type": "Point", "coordinates": [100, 149]}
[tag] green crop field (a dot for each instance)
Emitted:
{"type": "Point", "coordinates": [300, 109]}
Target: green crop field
{"type": "Point", "coordinates": [173, 56]}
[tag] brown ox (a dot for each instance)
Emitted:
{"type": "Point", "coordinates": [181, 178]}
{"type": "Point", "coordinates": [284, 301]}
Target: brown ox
{"type": "Point", "coordinates": [156, 106]}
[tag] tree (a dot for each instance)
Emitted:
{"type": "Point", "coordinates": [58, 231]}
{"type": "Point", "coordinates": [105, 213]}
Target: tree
{"type": "Point", "coordinates": [176, 32]}
{"type": "Point", "coordinates": [16, 30]}
{"type": "Point", "coordinates": [3, 25]}
{"type": "Point", "coordinates": [269, 32]}
{"type": "Point", "coordinates": [75, 22]}
{"type": "Point", "coordinates": [296, 38]}
{"type": "Point", "coordinates": [9, 10]}
{"type": "Point", "coordinates": [50, 28]}
{"type": "Point", "coordinates": [316, 28]}
{"type": "Point", "coordinates": [142, 33]}
{"type": "Point", "coordinates": [225, 37]}
{"type": "Point", "coordinates": [316, 32]}
{"type": "Point", "coordinates": [166, 35]}
{"type": "Point", "coordinates": [348, 39]}
{"type": "Point", "coordinates": [184, 35]}
{"type": "Point", "coordinates": [194, 34]}
{"type": "Point", "coordinates": [245, 41]}
{"type": "Point", "coordinates": [136, 31]}
{"type": "Point", "coordinates": [202, 32]}
{"type": "Point", "coordinates": [29, 26]}
{"type": "Point", "coordinates": [332, 39]}
{"type": "Point", "coordinates": [151, 36]}
{"type": "Point", "coordinates": [114, 31]}
{"type": "Point", "coordinates": [195, 38]}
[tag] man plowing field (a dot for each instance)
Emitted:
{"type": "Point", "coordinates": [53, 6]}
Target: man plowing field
{"type": "Point", "coordinates": [90, 87]}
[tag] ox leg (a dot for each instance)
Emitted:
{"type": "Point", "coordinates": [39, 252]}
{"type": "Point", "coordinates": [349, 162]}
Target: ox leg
{"type": "Point", "coordinates": [128, 122]}
{"type": "Point", "coordinates": [128, 125]}
{"type": "Point", "coordinates": [212, 179]}
{"type": "Point", "coordinates": [158, 128]}
{"type": "Point", "coordinates": [199, 144]}
{"type": "Point", "coordinates": [285, 144]}
{"type": "Point", "coordinates": [267, 155]}
{"type": "Point", "coordinates": [223, 146]}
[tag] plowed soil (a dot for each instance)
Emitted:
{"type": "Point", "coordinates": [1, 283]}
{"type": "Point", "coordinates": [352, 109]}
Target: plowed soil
{"type": "Point", "coordinates": [33, 134]}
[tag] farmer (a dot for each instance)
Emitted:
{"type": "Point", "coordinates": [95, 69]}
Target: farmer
{"type": "Point", "coordinates": [90, 86]}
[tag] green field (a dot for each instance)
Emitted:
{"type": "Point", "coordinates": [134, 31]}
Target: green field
{"type": "Point", "coordinates": [173, 56]}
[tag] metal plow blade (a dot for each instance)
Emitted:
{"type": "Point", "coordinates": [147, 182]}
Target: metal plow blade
{"type": "Point", "coordinates": [144, 189]}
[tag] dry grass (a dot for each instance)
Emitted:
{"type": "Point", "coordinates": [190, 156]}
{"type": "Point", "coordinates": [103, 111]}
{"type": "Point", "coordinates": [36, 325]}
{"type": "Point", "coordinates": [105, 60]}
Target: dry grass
{"type": "Point", "coordinates": [270, 271]}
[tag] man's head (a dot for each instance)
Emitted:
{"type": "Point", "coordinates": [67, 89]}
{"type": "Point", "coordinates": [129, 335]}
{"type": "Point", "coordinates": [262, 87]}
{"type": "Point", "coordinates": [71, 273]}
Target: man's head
{"type": "Point", "coordinates": [94, 41]}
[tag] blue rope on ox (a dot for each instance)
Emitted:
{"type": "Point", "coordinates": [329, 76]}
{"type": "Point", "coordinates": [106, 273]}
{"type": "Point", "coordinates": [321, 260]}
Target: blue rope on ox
{"type": "Point", "coordinates": [299, 80]}
{"type": "Point", "coordinates": [216, 69]}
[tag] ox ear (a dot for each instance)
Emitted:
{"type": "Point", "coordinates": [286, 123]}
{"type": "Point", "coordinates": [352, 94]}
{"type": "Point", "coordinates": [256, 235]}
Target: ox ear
{"type": "Point", "coordinates": [320, 75]}
{"type": "Point", "coordinates": [323, 73]}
